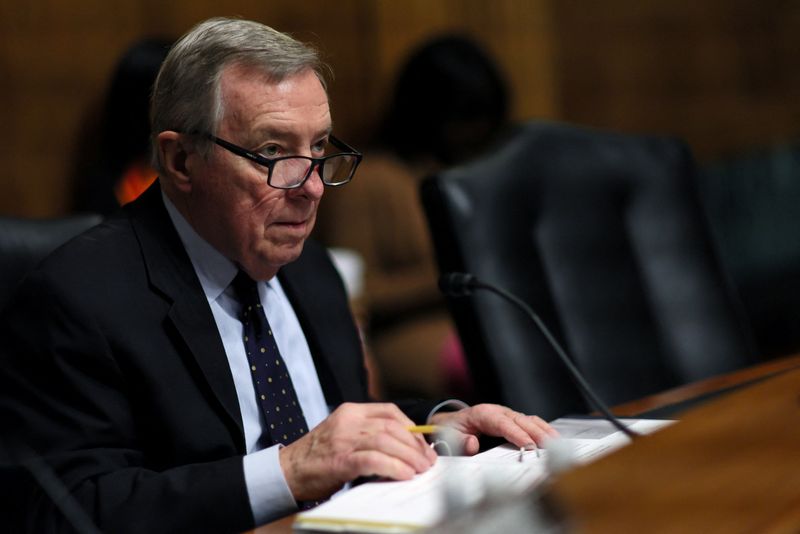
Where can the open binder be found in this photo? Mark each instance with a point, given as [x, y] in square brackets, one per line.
[460, 482]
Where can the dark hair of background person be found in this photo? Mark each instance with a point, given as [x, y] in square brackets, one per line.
[449, 102]
[118, 136]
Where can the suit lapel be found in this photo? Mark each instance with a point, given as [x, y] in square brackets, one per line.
[171, 273]
[310, 320]
[318, 298]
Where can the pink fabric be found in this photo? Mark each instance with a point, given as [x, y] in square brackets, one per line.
[454, 367]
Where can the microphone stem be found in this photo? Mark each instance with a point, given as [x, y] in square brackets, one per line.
[576, 374]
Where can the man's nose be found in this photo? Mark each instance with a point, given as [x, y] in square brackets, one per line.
[313, 186]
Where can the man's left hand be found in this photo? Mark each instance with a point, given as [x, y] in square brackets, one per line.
[495, 420]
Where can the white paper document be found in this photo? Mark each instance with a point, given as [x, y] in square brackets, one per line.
[391, 506]
[585, 439]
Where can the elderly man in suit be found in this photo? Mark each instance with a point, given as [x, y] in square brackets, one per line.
[191, 364]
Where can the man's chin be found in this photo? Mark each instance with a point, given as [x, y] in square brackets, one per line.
[290, 253]
[268, 261]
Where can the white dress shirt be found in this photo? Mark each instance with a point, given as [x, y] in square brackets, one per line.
[269, 494]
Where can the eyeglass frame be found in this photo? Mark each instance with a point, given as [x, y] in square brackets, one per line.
[269, 163]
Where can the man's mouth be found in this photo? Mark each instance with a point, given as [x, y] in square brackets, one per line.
[299, 224]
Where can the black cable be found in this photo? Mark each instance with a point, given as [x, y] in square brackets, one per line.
[462, 284]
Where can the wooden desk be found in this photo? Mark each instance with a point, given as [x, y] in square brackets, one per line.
[586, 493]
[281, 526]
[678, 396]
[732, 465]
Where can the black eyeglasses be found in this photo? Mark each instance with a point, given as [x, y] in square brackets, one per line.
[291, 172]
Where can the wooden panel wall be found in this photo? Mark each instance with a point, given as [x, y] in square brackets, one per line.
[720, 73]
[56, 58]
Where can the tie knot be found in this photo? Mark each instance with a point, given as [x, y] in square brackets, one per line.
[245, 289]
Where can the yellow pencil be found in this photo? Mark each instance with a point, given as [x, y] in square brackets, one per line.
[423, 429]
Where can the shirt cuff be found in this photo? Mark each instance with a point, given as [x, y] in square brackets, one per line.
[270, 497]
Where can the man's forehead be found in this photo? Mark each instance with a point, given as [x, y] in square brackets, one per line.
[276, 130]
[251, 96]
[236, 73]
[237, 81]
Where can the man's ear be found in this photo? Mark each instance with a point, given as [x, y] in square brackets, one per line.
[175, 149]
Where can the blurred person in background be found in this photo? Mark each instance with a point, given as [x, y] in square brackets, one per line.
[450, 104]
[113, 160]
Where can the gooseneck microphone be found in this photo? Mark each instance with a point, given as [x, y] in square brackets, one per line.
[463, 284]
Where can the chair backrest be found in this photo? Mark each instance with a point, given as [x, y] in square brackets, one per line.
[753, 205]
[25, 242]
[602, 234]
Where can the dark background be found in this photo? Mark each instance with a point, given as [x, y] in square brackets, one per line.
[720, 73]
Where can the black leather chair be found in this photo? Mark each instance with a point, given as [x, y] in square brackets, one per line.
[24, 242]
[753, 204]
[602, 234]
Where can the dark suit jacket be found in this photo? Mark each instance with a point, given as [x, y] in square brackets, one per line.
[113, 370]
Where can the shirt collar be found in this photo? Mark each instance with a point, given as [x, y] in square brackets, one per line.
[214, 270]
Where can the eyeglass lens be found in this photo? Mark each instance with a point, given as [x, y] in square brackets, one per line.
[335, 170]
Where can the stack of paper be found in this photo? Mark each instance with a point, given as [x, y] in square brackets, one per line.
[419, 503]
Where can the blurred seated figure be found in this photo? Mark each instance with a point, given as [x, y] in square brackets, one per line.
[113, 161]
[450, 104]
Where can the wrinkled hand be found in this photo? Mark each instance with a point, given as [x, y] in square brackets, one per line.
[495, 420]
[355, 440]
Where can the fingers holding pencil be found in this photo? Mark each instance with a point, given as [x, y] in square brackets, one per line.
[356, 440]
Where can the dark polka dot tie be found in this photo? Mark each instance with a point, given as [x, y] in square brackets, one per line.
[274, 390]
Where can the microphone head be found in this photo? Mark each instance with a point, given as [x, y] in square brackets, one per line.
[457, 284]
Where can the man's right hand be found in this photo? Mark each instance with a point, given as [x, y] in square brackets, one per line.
[355, 440]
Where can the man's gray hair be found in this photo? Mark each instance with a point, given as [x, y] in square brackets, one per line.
[186, 94]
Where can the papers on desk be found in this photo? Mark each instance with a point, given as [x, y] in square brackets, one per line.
[586, 439]
[419, 503]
